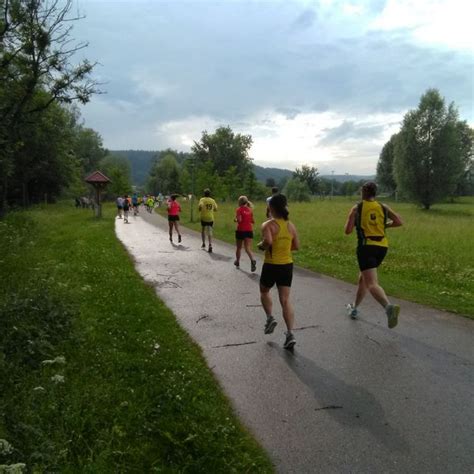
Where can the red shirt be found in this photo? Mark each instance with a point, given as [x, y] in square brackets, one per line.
[173, 208]
[244, 217]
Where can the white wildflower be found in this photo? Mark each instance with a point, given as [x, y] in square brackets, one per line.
[57, 378]
[60, 360]
[39, 389]
[5, 447]
[13, 468]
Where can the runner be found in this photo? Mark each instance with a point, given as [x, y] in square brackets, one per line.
[126, 208]
[135, 204]
[244, 232]
[371, 218]
[207, 207]
[274, 193]
[173, 216]
[279, 240]
[150, 204]
[119, 202]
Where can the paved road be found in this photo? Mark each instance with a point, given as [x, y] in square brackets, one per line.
[354, 397]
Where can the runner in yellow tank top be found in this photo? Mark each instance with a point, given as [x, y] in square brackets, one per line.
[279, 240]
[370, 218]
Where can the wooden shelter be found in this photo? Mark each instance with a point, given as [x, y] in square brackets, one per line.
[99, 181]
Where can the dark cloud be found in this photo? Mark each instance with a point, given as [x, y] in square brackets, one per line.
[349, 130]
[305, 19]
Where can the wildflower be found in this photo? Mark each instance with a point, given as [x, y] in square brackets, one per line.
[5, 447]
[39, 389]
[61, 360]
[18, 468]
[57, 378]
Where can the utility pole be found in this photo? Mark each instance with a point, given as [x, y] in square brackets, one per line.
[193, 185]
[332, 184]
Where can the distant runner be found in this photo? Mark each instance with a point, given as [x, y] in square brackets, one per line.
[135, 204]
[279, 240]
[119, 203]
[274, 193]
[150, 204]
[207, 207]
[244, 232]
[370, 218]
[126, 208]
[173, 216]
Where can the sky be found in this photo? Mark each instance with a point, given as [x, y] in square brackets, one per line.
[323, 83]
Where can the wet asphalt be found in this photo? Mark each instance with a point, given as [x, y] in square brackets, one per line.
[354, 396]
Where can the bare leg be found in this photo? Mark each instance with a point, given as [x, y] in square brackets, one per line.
[203, 236]
[238, 250]
[248, 248]
[372, 285]
[288, 313]
[176, 226]
[361, 291]
[266, 300]
[170, 225]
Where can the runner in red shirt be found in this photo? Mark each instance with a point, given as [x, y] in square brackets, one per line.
[173, 216]
[244, 232]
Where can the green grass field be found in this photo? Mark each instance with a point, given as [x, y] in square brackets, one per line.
[430, 260]
[96, 375]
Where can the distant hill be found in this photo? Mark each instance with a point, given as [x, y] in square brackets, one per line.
[141, 160]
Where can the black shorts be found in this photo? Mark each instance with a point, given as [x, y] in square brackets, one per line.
[173, 218]
[206, 224]
[370, 256]
[243, 234]
[281, 275]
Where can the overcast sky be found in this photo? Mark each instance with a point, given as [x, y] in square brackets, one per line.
[322, 83]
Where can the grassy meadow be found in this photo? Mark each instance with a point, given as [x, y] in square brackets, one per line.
[430, 260]
[96, 375]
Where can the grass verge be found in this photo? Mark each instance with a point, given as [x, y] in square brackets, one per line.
[430, 259]
[96, 375]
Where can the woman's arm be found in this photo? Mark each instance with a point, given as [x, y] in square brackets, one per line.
[396, 220]
[350, 223]
[295, 243]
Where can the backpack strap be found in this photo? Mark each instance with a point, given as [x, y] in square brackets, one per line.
[360, 232]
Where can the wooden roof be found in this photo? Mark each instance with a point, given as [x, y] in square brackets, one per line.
[97, 177]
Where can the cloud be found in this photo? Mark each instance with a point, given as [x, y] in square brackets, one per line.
[298, 78]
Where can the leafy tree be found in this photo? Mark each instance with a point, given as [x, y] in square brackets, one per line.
[297, 190]
[36, 70]
[88, 148]
[270, 183]
[385, 175]
[164, 176]
[117, 168]
[429, 157]
[309, 175]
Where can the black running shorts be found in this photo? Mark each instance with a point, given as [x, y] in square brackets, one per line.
[370, 256]
[207, 224]
[281, 275]
[243, 234]
[173, 218]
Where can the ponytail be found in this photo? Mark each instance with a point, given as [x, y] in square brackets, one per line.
[279, 206]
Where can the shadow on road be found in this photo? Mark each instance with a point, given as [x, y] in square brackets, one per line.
[219, 257]
[349, 405]
[180, 247]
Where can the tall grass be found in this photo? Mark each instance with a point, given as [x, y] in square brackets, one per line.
[96, 375]
[430, 259]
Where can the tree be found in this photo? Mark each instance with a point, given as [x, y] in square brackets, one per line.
[297, 190]
[385, 175]
[117, 168]
[270, 183]
[36, 70]
[88, 148]
[164, 176]
[309, 175]
[429, 157]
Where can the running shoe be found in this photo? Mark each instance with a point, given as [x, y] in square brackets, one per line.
[352, 311]
[290, 341]
[236, 263]
[179, 239]
[270, 325]
[171, 239]
[210, 249]
[253, 265]
[203, 246]
[392, 311]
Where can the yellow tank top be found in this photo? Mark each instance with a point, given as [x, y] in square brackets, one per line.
[280, 251]
[370, 222]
